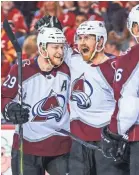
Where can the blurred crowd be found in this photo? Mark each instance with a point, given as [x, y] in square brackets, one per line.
[22, 15]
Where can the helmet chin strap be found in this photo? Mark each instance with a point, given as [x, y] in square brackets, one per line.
[46, 57]
[137, 39]
[94, 53]
[96, 50]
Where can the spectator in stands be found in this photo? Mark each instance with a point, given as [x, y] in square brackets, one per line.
[7, 47]
[122, 37]
[67, 20]
[69, 6]
[85, 7]
[103, 5]
[16, 18]
[30, 47]
[28, 8]
[113, 48]
[116, 16]
[70, 32]
[12, 14]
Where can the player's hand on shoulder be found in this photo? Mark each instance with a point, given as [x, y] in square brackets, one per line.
[48, 21]
[16, 113]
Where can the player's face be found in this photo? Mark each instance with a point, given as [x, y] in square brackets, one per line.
[135, 29]
[56, 53]
[86, 45]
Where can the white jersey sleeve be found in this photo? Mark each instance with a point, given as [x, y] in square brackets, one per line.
[126, 92]
[129, 103]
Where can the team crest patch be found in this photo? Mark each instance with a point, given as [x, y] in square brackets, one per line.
[81, 92]
[50, 107]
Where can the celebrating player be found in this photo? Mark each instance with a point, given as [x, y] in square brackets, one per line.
[121, 139]
[91, 102]
[46, 81]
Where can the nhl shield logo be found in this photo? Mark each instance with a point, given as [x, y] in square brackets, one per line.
[81, 91]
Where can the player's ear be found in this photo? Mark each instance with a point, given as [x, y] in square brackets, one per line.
[42, 49]
[100, 43]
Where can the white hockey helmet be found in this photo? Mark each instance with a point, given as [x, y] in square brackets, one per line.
[50, 35]
[96, 28]
[133, 17]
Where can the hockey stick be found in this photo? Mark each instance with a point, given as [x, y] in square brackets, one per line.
[88, 145]
[18, 50]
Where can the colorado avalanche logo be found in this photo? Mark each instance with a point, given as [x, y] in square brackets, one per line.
[48, 108]
[81, 92]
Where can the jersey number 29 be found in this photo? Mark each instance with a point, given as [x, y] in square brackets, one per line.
[10, 82]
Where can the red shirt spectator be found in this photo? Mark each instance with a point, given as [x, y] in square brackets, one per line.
[103, 5]
[70, 31]
[14, 15]
[67, 19]
[7, 47]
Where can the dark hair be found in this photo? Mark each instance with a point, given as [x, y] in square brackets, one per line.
[81, 14]
[115, 43]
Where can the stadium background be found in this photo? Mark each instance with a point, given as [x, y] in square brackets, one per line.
[22, 16]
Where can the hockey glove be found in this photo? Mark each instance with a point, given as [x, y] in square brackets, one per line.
[115, 146]
[48, 21]
[16, 113]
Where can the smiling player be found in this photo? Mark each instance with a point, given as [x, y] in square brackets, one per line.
[46, 81]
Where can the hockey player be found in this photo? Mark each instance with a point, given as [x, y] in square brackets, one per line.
[120, 139]
[91, 101]
[46, 81]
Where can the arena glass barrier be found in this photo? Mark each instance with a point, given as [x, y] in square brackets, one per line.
[7, 132]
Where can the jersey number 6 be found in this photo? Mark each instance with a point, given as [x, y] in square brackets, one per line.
[118, 74]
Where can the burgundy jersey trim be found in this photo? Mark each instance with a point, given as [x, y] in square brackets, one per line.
[84, 131]
[128, 63]
[53, 146]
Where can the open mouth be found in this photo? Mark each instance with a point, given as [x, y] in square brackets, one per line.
[85, 50]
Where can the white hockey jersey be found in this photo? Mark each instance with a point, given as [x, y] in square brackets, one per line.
[47, 94]
[91, 100]
[126, 88]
